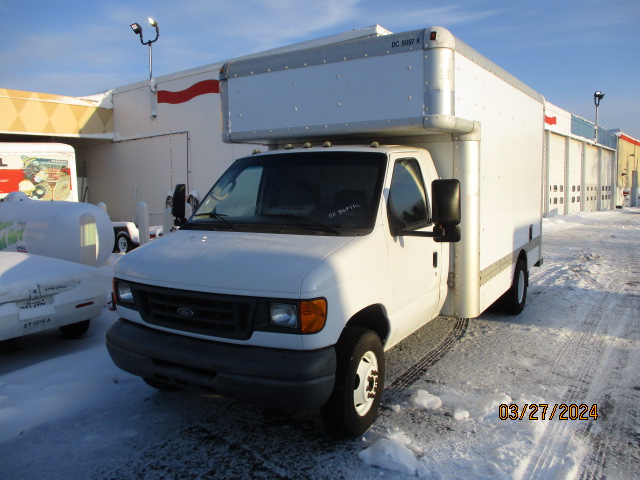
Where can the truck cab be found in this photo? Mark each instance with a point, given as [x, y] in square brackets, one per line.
[295, 251]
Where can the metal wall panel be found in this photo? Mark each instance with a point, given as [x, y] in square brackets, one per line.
[556, 165]
[606, 179]
[574, 177]
[590, 180]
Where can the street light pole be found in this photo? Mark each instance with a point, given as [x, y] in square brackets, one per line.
[597, 97]
[137, 29]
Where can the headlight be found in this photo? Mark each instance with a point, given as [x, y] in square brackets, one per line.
[309, 316]
[284, 315]
[123, 293]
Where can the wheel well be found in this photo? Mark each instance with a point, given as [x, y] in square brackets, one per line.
[523, 256]
[373, 318]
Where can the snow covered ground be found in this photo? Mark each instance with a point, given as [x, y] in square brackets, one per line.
[66, 412]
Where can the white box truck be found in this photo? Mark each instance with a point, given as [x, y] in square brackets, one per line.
[42, 171]
[402, 180]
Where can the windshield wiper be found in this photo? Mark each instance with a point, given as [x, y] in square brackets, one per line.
[305, 221]
[218, 216]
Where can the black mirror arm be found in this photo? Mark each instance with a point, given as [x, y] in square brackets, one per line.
[438, 231]
[439, 234]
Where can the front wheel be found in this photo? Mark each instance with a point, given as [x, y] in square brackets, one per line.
[357, 393]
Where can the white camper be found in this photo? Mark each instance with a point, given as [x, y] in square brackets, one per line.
[402, 180]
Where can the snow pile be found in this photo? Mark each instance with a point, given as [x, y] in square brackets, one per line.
[423, 399]
[390, 455]
[398, 452]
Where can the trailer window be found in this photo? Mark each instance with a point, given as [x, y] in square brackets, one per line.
[408, 195]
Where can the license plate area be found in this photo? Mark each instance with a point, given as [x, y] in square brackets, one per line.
[34, 325]
[27, 305]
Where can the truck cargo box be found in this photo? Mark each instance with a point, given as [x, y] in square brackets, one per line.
[401, 84]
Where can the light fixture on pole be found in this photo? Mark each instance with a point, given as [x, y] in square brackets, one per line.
[597, 97]
[137, 29]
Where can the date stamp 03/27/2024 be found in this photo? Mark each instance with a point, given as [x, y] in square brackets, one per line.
[544, 411]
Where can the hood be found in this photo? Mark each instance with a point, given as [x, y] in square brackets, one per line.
[228, 262]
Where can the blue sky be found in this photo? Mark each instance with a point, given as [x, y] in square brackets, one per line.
[565, 49]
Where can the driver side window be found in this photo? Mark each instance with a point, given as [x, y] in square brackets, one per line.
[408, 196]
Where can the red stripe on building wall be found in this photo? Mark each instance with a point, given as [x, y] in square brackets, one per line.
[630, 140]
[550, 120]
[195, 90]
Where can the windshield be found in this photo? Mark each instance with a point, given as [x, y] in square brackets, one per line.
[310, 193]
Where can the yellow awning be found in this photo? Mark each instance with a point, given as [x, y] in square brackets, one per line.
[34, 113]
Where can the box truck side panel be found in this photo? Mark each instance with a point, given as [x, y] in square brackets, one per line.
[364, 89]
[350, 96]
[43, 171]
[510, 165]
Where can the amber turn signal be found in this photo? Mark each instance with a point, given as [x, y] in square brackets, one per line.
[313, 314]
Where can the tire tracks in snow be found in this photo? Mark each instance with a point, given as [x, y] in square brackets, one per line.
[591, 352]
[419, 368]
[610, 439]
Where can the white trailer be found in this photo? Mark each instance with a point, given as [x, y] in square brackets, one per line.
[304, 263]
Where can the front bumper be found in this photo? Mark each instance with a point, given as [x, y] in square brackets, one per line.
[276, 378]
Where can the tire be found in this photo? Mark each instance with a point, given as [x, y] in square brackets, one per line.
[123, 243]
[514, 300]
[357, 393]
[159, 385]
[75, 330]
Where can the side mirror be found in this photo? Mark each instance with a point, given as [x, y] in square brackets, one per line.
[177, 205]
[445, 195]
[446, 213]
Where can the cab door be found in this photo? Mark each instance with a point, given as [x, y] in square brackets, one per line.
[415, 263]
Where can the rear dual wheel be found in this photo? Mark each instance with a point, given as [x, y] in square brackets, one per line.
[513, 301]
[357, 393]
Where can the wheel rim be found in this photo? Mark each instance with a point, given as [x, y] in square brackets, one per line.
[122, 244]
[365, 388]
[521, 285]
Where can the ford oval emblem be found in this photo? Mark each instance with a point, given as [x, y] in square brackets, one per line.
[185, 312]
